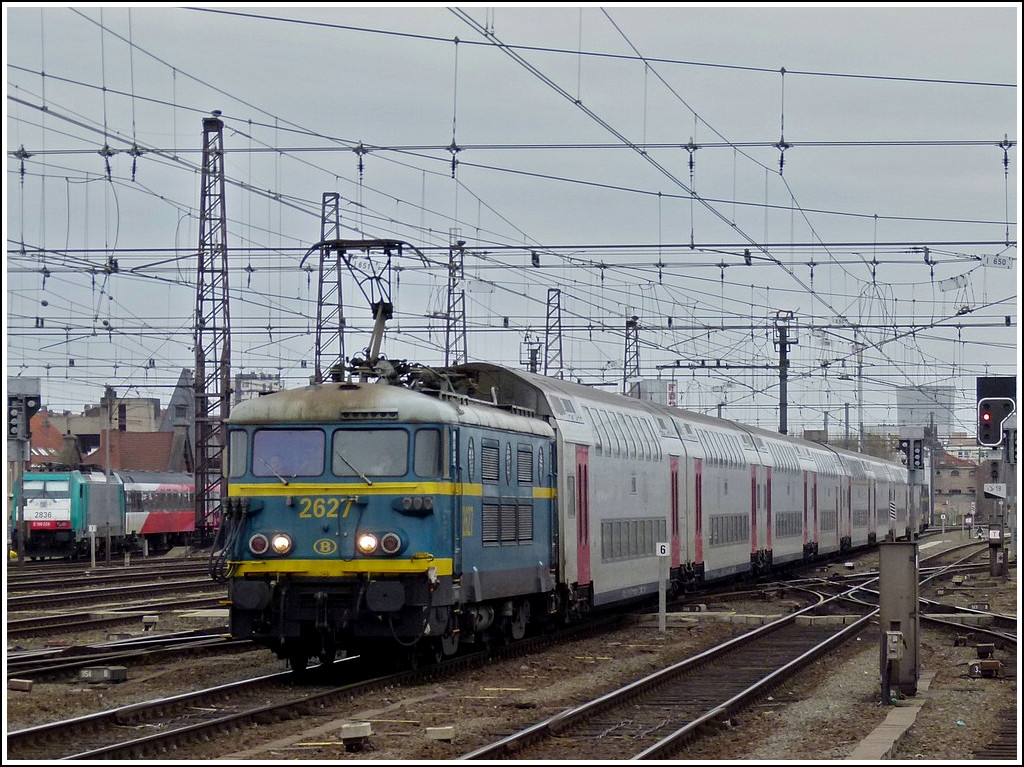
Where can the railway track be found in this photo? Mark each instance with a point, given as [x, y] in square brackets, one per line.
[54, 662]
[1003, 745]
[116, 595]
[203, 714]
[78, 622]
[42, 580]
[113, 733]
[654, 717]
[328, 706]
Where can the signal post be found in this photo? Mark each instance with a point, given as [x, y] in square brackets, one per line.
[997, 430]
[911, 447]
[22, 403]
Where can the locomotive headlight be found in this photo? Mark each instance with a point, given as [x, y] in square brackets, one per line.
[259, 544]
[367, 543]
[281, 543]
[390, 543]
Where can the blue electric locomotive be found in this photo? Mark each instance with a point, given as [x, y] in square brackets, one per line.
[365, 514]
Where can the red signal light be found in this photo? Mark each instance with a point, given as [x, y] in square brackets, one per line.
[986, 416]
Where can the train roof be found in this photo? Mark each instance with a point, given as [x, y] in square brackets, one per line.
[155, 477]
[541, 393]
[35, 474]
[352, 402]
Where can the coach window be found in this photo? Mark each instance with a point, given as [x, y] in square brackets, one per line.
[641, 438]
[627, 438]
[716, 448]
[622, 448]
[426, 460]
[607, 438]
[655, 440]
[631, 433]
[238, 452]
[615, 447]
[647, 431]
[631, 426]
[598, 440]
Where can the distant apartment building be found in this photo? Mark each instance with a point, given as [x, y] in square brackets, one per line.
[130, 433]
[964, 445]
[249, 385]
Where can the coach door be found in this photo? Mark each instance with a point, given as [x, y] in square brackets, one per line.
[755, 485]
[760, 514]
[807, 527]
[698, 511]
[674, 508]
[872, 508]
[849, 508]
[582, 515]
[814, 506]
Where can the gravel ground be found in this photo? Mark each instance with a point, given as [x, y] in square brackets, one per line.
[822, 715]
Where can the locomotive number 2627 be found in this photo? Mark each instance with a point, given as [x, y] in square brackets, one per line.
[322, 508]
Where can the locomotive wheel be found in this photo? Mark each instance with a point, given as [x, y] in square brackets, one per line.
[413, 659]
[517, 624]
[298, 660]
[434, 651]
[328, 650]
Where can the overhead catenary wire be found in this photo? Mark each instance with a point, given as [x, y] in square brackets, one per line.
[620, 283]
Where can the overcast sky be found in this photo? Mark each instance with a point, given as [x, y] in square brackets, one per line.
[865, 156]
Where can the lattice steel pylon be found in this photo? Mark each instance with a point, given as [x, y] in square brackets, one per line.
[631, 363]
[553, 334]
[330, 311]
[455, 346]
[212, 383]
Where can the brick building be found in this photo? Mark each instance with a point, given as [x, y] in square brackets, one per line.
[955, 488]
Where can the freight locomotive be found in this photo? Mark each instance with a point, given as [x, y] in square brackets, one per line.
[442, 507]
[133, 511]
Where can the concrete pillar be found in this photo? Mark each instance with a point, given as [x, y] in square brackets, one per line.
[898, 617]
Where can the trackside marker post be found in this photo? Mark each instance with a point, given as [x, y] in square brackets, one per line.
[662, 549]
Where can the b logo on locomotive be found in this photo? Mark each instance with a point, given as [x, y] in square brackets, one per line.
[324, 546]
